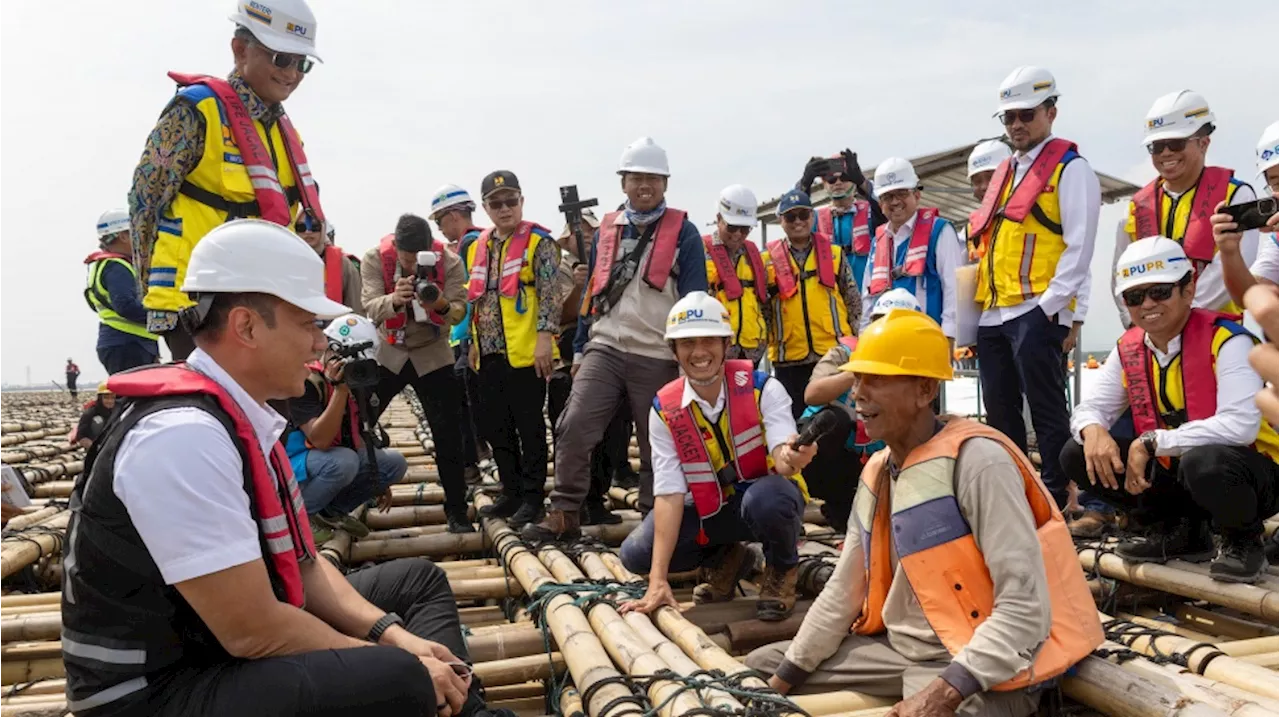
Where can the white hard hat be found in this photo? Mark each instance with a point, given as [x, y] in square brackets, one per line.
[737, 206]
[113, 221]
[988, 155]
[353, 329]
[450, 195]
[1154, 260]
[282, 25]
[898, 298]
[697, 314]
[1026, 87]
[1176, 115]
[895, 173]
[643, 156]
[258, 256]
[1269, 148]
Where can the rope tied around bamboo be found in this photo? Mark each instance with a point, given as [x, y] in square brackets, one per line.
[1126, 632]
[756, 702]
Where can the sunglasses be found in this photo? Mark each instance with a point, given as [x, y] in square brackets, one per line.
[511, 203]
[285, 60]
[1010, 116]
[797, 215]
[306, 223]
[735, 229]
[833, 178]
[1157, 292]
[1173, 145]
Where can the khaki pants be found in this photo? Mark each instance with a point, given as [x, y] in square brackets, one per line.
[870, 665]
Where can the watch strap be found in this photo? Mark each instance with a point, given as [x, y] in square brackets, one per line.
[379, 627]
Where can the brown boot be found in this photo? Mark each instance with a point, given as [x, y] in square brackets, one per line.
[777, 594]
[557, 525]
[716, 584]
[1092, 524]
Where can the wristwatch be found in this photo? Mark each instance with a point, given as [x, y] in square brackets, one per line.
[1148, 440]
[379, 627]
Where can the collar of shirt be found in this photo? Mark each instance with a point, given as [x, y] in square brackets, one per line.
[1025, 159]
[267, 424]
[837, 210]
[710, 411]
[1164, 357]
[259, 110]
[904, 232]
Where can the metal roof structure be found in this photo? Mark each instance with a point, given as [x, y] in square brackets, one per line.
[945, 184]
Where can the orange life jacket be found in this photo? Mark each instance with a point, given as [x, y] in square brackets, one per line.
[728, 273]
[1198, 242]
[512, 263]
[1023, 199]
[334, 262]
[387, 252]
[945, 567]
[861, 230]
[882, 271]
[662, 254]
[780, 253]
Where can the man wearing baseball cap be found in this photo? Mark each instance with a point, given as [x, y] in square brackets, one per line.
[737, 273]
[1203, 452]
[185, 185]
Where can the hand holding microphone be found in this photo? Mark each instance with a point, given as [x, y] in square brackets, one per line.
[795, 454]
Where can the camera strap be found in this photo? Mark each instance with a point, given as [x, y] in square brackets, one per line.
[625, 270]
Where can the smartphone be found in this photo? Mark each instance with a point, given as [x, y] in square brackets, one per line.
[832, 167]
[1252, 215]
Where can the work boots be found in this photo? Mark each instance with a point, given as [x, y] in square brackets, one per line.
[593, 512]
[457, 521]
[504, 507]
[1240, 560]
[717, 583]
[1092, 524]
[557, 525]
[777, 594]
[1184, 539]
[529, 512]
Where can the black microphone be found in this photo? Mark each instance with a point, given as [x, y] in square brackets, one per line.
[823, 423]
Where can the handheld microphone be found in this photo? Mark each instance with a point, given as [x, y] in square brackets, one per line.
[822, 424]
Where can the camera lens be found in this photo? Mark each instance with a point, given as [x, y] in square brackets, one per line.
[1267, 206]
[428, 292]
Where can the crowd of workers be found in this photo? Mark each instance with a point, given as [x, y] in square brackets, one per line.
[287, 350]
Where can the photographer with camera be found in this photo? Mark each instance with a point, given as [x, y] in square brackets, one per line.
[413, 291]
[326, 441]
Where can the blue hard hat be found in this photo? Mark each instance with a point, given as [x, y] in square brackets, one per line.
[791, 200]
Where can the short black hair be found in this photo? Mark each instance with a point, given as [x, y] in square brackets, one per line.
[244, 33]
[216, 319]
[1205, 130]
[412, 233]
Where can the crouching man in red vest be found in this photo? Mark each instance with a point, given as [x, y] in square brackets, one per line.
[193, 585]
[1203, 452]
[724, 471]
[958, 586]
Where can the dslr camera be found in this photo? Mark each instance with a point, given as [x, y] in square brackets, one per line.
[427, 291]
[357, 371]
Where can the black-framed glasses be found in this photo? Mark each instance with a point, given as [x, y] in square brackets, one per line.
[1009, 116]
[735, 229]
[306, 223]
[511, 203]
[1173, 145]
[797, 215]
[833, 178]
[1158, 292]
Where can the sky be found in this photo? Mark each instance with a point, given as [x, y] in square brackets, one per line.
[412, 95]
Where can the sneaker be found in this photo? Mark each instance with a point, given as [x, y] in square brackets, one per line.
[593, 512]
[1092, 524]
[557, 525]
[716, 584]
[777, 594]
[321, 531]
[1239, 560]
[529, 512]
[1183, 540]
[458, 522]
[504, 507]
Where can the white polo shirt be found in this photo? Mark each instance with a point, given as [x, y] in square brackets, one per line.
[668, 475]
[180, 476]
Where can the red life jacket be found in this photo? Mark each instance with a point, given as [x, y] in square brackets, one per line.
[861, 230]
[353, 412]
[750, 453]
[286, 534]
[1025, 194]
[917, 252]
[334, 262]
[512, 262]
[849, 342]
[100, 255]
[273, 205]
[662, 252]
[780, 251]
[1197, 242]
[387, 251]
[728, 272]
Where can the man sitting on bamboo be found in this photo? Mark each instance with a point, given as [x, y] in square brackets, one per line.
[724, 471]
[958, 589]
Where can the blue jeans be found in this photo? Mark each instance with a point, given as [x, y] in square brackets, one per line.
[770, 510]
[334, 483]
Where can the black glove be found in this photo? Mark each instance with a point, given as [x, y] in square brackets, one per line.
[812, 170]
[852, 171]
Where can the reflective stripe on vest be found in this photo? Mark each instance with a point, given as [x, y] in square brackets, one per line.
[1197, 239]
[944, 565]
[390, 260]
[99, 299]
[519, 308]
[882, 269]
[785, 275]
[861, 240]
[1024, 196]
[662, 251]
[285, 532]
[512, 262]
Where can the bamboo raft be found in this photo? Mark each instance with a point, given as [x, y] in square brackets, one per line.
[546, 636]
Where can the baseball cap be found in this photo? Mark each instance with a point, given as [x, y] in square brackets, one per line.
[792, 200]
[497, 181]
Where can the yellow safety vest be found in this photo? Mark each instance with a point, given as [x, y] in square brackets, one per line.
[814, 318]
[746, 314]
[100, 300]
[1022, 257]
[220, 174]
[519, 313]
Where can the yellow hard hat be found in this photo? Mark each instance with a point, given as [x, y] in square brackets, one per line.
[902, 343]
[102, 388]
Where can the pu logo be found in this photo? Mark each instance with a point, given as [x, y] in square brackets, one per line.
[296, 29]
[688, 315]
[1136, 269]
[1006, 94]
[740, 378]
[1153, 123]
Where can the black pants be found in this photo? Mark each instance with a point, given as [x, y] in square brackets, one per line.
[1025, 356]
[1234, 486]
[384, 681]
[834, 472]
[71, 385]
[440, 395]
[513, 423]
[126, 356]
[794, 378]
[610, 457]
[179, 342]
[468, 407]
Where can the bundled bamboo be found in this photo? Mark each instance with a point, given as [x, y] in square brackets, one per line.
[40, 626]
[39, 540]
[33, 518]
[430, 546]
[1114, 691]
[406, 516]
[56, 687]
[1255, 646]
[13, 439]
[12, 670]
[1246, 598]
[519, 669]
[506, 642]
[53, 489]
[43, 472]
[51, 599]
[23, 454]
[30, 650]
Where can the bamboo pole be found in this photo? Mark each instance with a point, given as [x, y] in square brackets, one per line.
[12, 671]
[519, 669]
[431, 546]
[1173, 627]
[1225, 625]
[19, 552]
[1257, 645]
[1269, 660]
[40, 650]
[42, 626]
[337, 549]
[1246, 598]
[407, 516]
[57, 707]
[1114, 691]
[29, 519]
[485, 588]
[51, 599]
[502, 644]
[571, 702]
[53, 489]
[47, 687]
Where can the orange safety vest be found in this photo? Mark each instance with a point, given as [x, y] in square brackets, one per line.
[779, 252]
[882, 272]
[944, 565]
[334, 262]
[662, 253]
[861, 244]
[1198, 242]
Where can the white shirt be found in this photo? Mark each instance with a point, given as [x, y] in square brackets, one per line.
[180, 476]
[1235, 424]
[1267, 266]
[1080, 200]
[1211, 288]
[947, 255]
[668, 475]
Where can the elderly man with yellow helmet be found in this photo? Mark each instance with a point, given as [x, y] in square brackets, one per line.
[958, 587]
